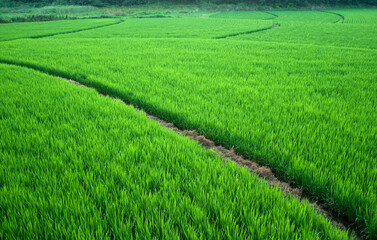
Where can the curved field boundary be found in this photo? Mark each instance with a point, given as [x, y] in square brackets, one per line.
[262, 172]
[79, 30]
[248, 32]
[274, 25]
[67, 32]
[274, 15]
[341, 17]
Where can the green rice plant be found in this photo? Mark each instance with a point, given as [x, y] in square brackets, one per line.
[358, 16]
[75, 165]
[300, 97]
[319, 29]
[304, 16]
[173, 28]
[306, 111]
[258, 15]
[13, 31]
[324, 34]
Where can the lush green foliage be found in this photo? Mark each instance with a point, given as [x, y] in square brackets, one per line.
[321, 30]
[244, 15]
[300, 97]
[308, 112]
[279, 16]
[13, 31]
[365, 16]
[355, 35]
[275, 3]
[173, 28]
[76, 165]
[22, 14]
[56, 12]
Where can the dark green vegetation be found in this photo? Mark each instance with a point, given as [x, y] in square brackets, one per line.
[77, 165]
[275, 3]
[174, 28]
[299, 97]
[24, 13]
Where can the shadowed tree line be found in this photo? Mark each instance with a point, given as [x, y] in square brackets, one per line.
[280, 3]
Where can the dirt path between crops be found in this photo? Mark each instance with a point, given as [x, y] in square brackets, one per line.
[263, 172]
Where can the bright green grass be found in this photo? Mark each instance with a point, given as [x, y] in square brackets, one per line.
[74, 165]
[307, 111]
[173, 28]
[346, 35]
[244, 15]
[321, 30]
[358, 16]
[304, 16]
[12, 31]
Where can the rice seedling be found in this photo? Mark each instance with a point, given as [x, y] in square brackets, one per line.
[13, 31]
[300, 98]
[77, 165]
[173, 28]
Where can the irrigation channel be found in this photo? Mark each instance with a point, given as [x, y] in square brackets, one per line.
[263, 172]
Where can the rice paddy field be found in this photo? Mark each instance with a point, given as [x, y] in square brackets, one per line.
[42, 29]
[295, 91]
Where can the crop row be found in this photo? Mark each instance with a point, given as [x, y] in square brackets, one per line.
[13, 31]
[320, 29]
[173, 28]
[358, 16]
[307, 111]
[76, 165]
